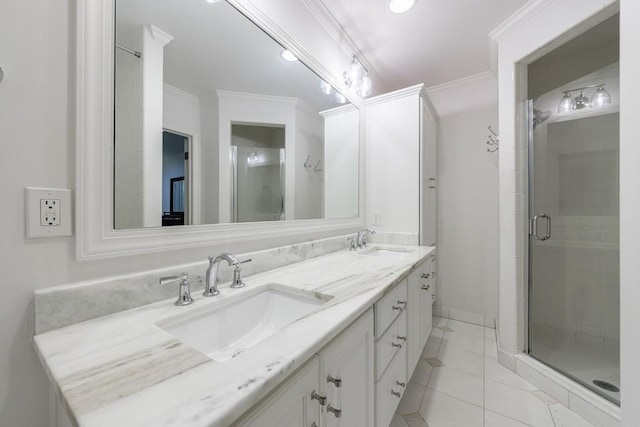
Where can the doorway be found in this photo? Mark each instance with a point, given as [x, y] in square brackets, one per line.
[175, 179]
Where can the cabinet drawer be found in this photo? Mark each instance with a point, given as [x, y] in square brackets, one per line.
[390, 387]
[392, 341]
[389, 307]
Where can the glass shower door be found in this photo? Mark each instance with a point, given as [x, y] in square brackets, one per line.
[574, 248]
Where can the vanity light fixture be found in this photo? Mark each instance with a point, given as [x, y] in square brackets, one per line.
[288, 56]
[401, 6]
[600, 98]
[357, 77]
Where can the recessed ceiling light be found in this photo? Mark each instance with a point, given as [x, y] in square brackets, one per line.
[288, 56]
[214, 1]
[401, 6]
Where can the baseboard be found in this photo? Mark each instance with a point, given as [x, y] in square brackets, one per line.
[464, 316]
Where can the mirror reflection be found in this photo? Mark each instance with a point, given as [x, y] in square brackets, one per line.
[215, 122]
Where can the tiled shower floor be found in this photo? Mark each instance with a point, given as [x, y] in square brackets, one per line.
[459, 383]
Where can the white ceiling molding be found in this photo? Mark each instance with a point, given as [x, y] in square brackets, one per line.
[464, 94]
[333, 27]
[522, 15]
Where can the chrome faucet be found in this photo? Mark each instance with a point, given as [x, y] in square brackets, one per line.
[184, 295]
[211, 282]
[361, 238]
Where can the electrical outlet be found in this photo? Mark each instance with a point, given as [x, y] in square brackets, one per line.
[377, 218]
[48, 212]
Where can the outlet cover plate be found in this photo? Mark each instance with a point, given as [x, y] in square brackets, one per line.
[35, 225]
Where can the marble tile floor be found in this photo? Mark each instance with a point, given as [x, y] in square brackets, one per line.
[459, 383]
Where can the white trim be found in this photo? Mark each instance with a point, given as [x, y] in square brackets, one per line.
[519, 17]
[160, 35]
[418, 89]
[456, 84]
[337, 111]
[96, 239]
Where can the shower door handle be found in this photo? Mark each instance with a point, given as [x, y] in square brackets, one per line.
[534, 227]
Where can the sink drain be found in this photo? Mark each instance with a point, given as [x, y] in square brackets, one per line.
[607, 386]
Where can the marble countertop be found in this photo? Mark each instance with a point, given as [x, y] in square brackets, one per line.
[123, 369]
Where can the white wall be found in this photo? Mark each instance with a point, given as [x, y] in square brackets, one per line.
[467, 203]
[309, 183]
[629, 210]
[37, 118]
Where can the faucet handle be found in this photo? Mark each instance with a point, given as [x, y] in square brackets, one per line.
[237, 281]
[184, 294]
[352, 243]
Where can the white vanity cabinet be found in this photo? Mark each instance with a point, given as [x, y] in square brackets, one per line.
[391, 352]
[334, 389]
[419, 311]
[427, 298]
[292, 404]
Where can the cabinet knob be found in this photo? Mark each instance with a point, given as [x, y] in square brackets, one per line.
[335, 411]
[320, 398]
[396, 394]
[401, 338]
[433, 187]
[403, 303]
[426, 288]
[396, 307]
[401, 384]
[425, 275]
[394, 344]
[336, 381]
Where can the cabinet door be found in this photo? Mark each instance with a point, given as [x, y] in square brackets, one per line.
[291, 405]
[414, 310]
[347, 374]
[428, 154]
[426, 300]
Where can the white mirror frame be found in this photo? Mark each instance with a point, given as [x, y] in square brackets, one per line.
[95, 236]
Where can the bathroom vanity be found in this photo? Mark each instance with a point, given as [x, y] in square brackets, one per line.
[345, 332]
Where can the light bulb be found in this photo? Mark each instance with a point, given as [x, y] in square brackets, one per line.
[566, 103]
[600, 98]
[288, 56]
[355, 71]
[401, 6]
[340, 99]
[366, 85]
[582, 101]
[325, 88]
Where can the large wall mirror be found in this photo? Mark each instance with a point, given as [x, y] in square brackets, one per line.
[216, 122]
[194, 130]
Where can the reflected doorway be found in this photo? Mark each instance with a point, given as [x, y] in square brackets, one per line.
[258, 173]
[175, 171]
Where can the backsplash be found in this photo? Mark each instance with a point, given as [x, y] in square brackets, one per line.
[65, 305]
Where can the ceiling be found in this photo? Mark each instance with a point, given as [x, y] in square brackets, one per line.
[437, 41]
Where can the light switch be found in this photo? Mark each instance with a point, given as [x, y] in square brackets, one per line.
[48, 212]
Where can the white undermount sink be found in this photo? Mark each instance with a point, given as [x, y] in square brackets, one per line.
[226, 330]
[387, 253]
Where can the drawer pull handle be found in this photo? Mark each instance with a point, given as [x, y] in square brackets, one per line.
[404, 303]
[335, 411]
[320, 398]
[396, 393]
[401, 338]
[396, 307]
[426, 288]
[401, 384]
[336, 381]
[313, 424]
[425, 275]
[396, 345]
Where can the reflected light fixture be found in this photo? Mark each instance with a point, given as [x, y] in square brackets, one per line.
[325, 88]
[340, 98]
[357, 77]
[401, 6]
[600, 98]
[288, 56]
[213, 1]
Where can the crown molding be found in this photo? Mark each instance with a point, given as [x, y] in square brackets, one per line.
[459, 83]
[159, 35]
[519, 17]
[396, 94]
[338, 110]
[228, 94]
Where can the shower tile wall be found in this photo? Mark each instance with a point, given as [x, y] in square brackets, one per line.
[578, 294]
[128, 141]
